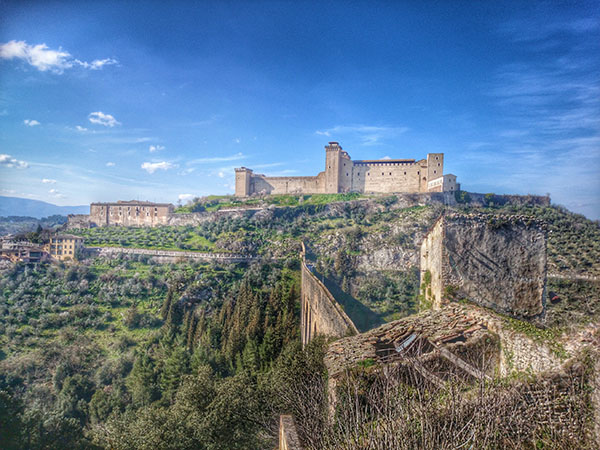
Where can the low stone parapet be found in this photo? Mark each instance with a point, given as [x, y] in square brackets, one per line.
[169, 254]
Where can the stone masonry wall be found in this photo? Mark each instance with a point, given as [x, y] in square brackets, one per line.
[495, 261]
[261, 184]
[321, 314]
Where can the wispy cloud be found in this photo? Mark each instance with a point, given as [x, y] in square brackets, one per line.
[100, 118]
[48, 181]
[97, 63]
[10, 162]
[152, 167]
[110, 164]
[538, 28]
[216, 159]
[155, 148]
[550, 105]
[365, 134]
[56, 193]
[45, 59]
[81, 129]
[31, 123]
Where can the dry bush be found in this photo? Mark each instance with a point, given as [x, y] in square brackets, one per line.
[395, 408]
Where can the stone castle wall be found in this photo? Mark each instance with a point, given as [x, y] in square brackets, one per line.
[287, 185]
[495, 261]
[321, 314]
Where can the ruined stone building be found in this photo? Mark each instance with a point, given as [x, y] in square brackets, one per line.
[497, 262]
[342, 174]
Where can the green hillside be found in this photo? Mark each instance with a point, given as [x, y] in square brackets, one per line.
[126, 353]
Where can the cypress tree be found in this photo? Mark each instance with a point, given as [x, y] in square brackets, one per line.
[166, 306]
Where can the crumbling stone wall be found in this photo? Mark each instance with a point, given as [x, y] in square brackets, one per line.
[78, 221]
[495, 261]
[321, 314]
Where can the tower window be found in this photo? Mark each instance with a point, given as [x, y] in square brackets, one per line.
[390, 173]
[382, 173]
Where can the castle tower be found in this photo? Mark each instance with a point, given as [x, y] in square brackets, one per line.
[333, 154]
[435, 166]
[242, 182]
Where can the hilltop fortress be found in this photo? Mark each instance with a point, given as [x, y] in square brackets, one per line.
[342, 174]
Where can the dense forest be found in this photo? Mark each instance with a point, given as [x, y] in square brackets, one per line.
[127, 353]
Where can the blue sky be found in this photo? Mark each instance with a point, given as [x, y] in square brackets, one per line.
[162, 100]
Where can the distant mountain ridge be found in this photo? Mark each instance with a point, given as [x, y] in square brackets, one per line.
[16, 206]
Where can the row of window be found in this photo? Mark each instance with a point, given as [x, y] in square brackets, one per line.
[382, 173]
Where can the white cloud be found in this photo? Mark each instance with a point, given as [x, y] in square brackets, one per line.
[110, 164]
[366, 134]
[8, 191]
[9, 161]
[156, 148]
[80, 128]
[221, 175]
[55, 193]
[153, 167]
[31, 123]
[184, 197]
[44, 59]
[48, 181]
[237, 140]
[187, 171]
[39, 56]
[100, 118]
